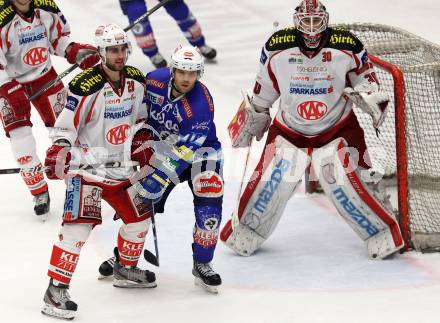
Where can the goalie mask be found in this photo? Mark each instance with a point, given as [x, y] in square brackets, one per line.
[311, 19]
[111, 35]
[187, 58]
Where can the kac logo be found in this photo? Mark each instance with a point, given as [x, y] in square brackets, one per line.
[35, 56]
[312, 110]
[117, 135]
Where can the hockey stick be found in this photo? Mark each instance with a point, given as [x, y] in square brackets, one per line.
[49, 84]
[7, 171]
[248, 153]
[148, 255]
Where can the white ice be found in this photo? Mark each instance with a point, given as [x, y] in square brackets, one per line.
[312, 269]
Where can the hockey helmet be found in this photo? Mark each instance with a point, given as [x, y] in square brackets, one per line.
[311, 19]
[187, 58]
[111, 35]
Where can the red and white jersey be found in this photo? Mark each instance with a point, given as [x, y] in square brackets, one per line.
[99, 119]
[26, 43]
[310, 87]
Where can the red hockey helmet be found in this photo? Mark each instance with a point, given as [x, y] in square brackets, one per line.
[311, 19]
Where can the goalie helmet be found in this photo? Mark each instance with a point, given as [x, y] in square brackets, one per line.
[187, 58]
[111, 35]
[311, 19]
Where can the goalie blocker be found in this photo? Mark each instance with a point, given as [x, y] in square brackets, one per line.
[364, 206]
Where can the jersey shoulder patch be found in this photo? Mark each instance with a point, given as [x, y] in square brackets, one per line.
[134, 73]
[282, 39]
[46, 5]
[88, 82]
[7, 13]
[343, 39]
[158, 78]
[207, 96]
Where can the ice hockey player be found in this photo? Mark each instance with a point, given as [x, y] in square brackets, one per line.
[181, 112]
[318, 73]
[144, 35]
[30, 31]
[104, 104]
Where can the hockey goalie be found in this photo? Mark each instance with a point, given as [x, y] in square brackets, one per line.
[318, 73]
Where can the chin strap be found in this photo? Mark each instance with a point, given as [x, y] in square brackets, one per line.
[175, 87]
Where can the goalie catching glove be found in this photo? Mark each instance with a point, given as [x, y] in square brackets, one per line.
[373, 103]
[247, 123]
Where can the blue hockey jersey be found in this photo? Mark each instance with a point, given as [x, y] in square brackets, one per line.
[183, 125]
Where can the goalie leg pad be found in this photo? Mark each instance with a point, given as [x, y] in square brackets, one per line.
[274, 181]
[366, 213]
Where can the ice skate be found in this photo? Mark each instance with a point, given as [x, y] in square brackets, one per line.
[206, 277]
[42, 205]
[208, 52]
[158, 61]
[131, 276]
[57, 302]
[106, 268]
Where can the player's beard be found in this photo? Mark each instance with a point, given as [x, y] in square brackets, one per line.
[181, 90]
[117, 67]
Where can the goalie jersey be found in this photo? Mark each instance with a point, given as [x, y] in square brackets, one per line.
[310, 86]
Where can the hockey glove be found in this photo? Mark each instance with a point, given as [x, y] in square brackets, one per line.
[13, 93]
[57, 160]
[155, 185]
[84, 55]
[373, 103]
[249, 121]
[141, 150]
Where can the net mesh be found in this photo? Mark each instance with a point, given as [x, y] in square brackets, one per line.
[419, 60]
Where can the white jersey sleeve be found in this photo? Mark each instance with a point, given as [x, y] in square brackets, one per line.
[56, 23]
[363, 76]
[266, 90]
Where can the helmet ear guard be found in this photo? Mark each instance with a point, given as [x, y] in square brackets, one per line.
[110, 35]
[187, 58]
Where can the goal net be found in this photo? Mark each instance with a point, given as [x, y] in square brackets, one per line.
[408, 147]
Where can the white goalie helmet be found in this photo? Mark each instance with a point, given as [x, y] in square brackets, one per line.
[311, 19]
[111, 35]
[187, 58]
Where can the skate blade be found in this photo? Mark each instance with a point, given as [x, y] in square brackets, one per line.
[44, 216]
[102, 277]
[208, 288]
[124, 283]
[52, 311]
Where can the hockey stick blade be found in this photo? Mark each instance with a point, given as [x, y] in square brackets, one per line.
[48, 85]
[149, 257]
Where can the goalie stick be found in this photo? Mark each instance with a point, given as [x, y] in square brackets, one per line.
[48, 85]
